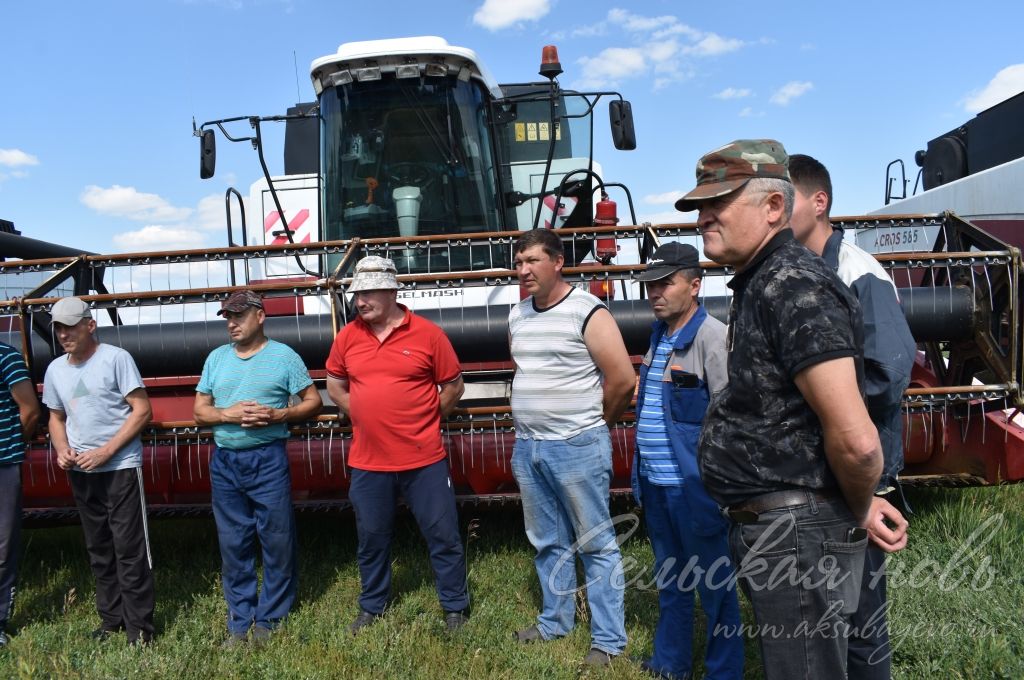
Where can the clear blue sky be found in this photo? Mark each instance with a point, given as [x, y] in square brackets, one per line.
[97, 98]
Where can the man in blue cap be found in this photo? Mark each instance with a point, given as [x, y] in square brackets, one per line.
[683, 370]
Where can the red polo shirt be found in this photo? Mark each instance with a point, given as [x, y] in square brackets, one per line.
[394, 406]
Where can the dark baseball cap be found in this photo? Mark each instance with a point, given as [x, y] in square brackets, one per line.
[726, 169]
[239, 301]
[668, 259]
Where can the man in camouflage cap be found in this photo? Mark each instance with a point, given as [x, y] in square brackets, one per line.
[788, 449]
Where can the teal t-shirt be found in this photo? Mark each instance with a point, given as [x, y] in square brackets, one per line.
[269, 377]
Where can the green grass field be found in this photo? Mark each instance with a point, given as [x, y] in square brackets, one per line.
[957, 604]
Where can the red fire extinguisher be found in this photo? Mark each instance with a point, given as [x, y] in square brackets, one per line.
[606, 216]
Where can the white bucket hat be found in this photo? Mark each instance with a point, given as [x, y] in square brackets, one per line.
[375, 273]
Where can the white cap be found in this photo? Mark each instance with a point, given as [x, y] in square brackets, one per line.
[69, 311]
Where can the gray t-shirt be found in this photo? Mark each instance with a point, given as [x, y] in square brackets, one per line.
[92, 395]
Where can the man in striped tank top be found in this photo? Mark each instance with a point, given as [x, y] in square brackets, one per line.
[684, 368]
[573, 380]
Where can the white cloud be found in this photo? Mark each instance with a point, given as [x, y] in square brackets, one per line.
[590, 30]
[662, 43]
[612, 65]
[155, 237]
[1005, 84]
[495, 15]
[790, 91]
[636, 23]
[712, 45]
[662, 51]
[13, 158]
[661, 199]
[131, 203]
[748, 112]
[733, 93]
[677, 29]
[210, 214]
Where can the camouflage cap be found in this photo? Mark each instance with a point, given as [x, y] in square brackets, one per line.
[728, 168]
[239, 301]
[375, 273]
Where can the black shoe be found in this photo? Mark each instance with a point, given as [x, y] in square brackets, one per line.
[528, 635]
[648, 669]
[260, 635]
[597, 658]
[455, 620]
[234, 641]
[103, 634]
[143, 640]
[363, 620]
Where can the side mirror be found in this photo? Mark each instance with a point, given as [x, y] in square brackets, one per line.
[207, 154]
[620, 112]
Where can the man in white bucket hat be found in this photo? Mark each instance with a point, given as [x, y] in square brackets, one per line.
[395, 374]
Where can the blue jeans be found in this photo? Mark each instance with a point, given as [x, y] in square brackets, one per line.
[803, 575]
[252, 498]
[683, 561]
[428, 492]
[564, 487]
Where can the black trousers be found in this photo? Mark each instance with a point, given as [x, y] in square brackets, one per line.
[10, 536]
[112, 508]
[869, 656]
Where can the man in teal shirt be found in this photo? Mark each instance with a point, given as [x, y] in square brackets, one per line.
[244, 394]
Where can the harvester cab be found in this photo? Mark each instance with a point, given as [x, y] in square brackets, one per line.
[414, 137]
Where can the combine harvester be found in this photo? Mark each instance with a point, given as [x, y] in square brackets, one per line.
[414, 152]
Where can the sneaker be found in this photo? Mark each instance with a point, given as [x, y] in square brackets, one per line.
[363, 620]
[528, 635]
[597, 658]
[260, 635]
[234, 641]
[455, 620]
[4, 638]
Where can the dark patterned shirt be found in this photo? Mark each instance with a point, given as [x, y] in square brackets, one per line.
[789, 312]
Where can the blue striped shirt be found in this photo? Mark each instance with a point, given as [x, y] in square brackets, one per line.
[657, 461]
[12, 371]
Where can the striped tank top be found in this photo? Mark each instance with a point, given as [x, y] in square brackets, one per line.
[557, 392]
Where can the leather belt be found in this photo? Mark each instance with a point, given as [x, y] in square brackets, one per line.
[748, 511]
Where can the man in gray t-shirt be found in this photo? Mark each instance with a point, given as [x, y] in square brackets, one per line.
[98, 408]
